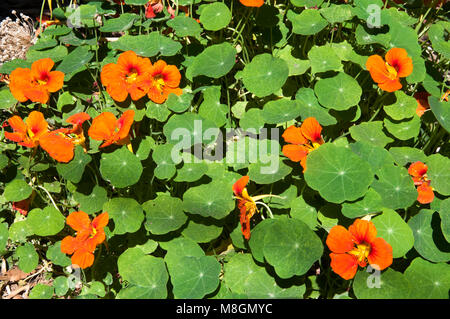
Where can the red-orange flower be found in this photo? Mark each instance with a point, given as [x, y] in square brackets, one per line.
[246, 204]
[89, 235]
[387, 74]
[34, 131]
[128, 76]
[22, 206]
[252, 3]
[303, 140]
[418, 172]
[37, 83]
[357, 246]
[106, 127]
[422, 102]
[75, 133]
[164, 80]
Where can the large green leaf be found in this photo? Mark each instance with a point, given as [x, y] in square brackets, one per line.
[46, 222]
[428, 238]
[389, 284]
[126, 213]
[392, 228]
[431, 281]
[339, 92]
[371, 132]
[17, 190]
[147, 45]
[121, 168]
[369, 204]
[147, 275]
[395, 187]
[323, 59]
[279, 111]
[215, 16]
[308, 22]
[403, 130]
[438, 173]
[28, 257]
[291, 247]
[265, 74]
[73, 171]
[215, 61]
[441, 110]
[310, 107]
[164, 214]
[337, 173]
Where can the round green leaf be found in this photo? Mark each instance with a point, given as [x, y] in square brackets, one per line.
[252, 119]
[258, 234]
[4, 234]
[376, 156]
[46, 222]
[308, 22]
[265, 74]
[41, 291]
[147, 275]
[215, 61]
[296, 66]
[199, 276]
[323, 59]
[201, 230]
[126, 213]
[438, 173]
[28, 257]
[164, 214]
[339, 92]
[56, 54]
[403, 130]
[404, 107]
[395, 187]
[369, 204]
[432, 281]
[269, 171]
[185, 26]
[93, 202]
[56, 256]
[191, 172]
[444, 213]
[179, 103]
[209, 200]
[337, 13]
[389, 284]
[429, 241]
[337, 173]
[19, 231]
[280, 111]
[75, 60]
[371, 132]
[61, 286]
[310, 107]
[121, 168]
[73, 171]
[215, 16]
[304, 212]
[404, 155]
[17, 190]
[122, 23]
[291, 247]
[147, 45]
[392, 228]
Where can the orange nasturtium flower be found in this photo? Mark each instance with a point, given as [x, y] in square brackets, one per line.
[37, 83]
[164, 80]
[128, 76]
[252, 3]
[247, 204]
[303, 140]
[34, 132]
[357, 246]
[75, 134]
[387, 74]
[106, 127]
[89, 235]
[418, 172]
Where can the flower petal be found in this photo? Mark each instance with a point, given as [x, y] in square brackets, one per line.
[103, 126]
[426, 194]
[100, 221]
[417, 169]
[312, 130]
[83, 258]
[399, 59]
[390, 85]
[293, 135]
[37, 124]
[363, 231]
[295, 153]
[78, 118]
[240, 184]
[124, 124]
[79, 221]
[68, 245]
[55, 81]
[377, 68]
[252, 3]
[339, 240]
[380, 256]
[58, 147]
[344, 265]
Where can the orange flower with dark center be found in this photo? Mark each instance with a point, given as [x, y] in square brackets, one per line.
[252, 3]
[89, 236]
[165, 79]
[37, 83]
[247, 204]
[75, 134]
[422, 102]
[303, 140]
[128, 76]
[106, 127]
[34, 131]
[388, 73]
[357, 246]
[418, 172]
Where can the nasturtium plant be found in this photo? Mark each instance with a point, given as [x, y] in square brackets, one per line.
[200, 149]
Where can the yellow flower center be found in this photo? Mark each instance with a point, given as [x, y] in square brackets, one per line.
[361, 252]
[392, 72]
[41, 82]
[94, 231]
[131, 78]
[159, 82]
